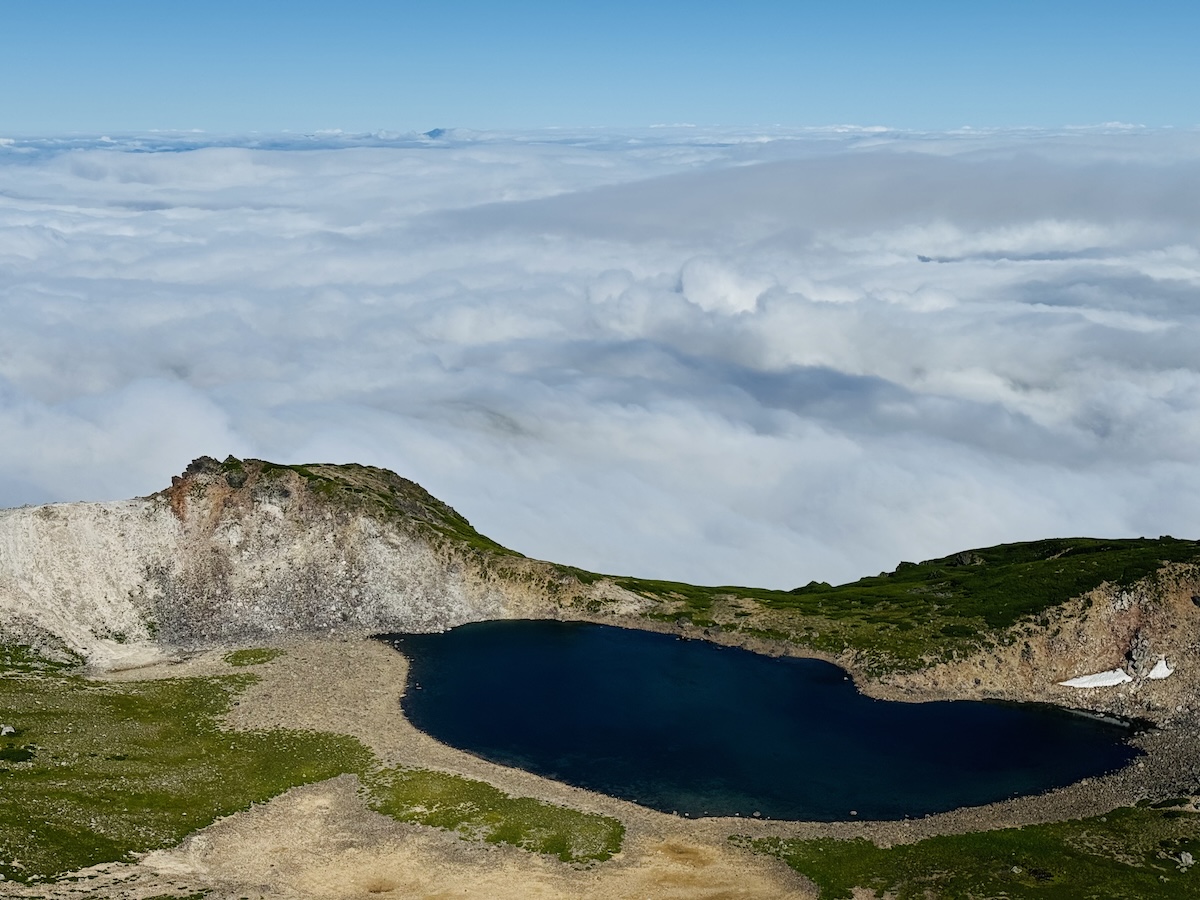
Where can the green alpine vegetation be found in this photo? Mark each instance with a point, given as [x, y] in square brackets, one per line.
[119, 768]
[925, 611]
[479, 811]
[379, 492]
[96, 771]
[252, 656]
[16, 659]
[1141, 852]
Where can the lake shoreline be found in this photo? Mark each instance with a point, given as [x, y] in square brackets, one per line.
[1169, 767]
[354, 686]
[685, 704]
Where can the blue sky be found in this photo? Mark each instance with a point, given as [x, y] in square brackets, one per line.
[131, 65]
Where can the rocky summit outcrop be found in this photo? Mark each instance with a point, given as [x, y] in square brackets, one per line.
[238, 551]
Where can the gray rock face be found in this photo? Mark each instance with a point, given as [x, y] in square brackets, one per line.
[76, 573]
[273, 560]
[236, 552]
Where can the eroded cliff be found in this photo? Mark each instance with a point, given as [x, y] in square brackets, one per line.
[1147, 634]
[242, 550]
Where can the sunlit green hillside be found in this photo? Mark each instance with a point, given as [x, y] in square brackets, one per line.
[924, 610]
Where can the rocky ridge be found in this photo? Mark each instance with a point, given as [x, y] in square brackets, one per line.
[242, 551]
[246, 551]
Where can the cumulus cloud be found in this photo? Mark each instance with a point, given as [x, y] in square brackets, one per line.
[714, 356]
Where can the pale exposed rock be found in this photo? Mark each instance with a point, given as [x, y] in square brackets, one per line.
[1139, 655]
[207, 562]
[1121, 601]
[247, 551]
[79, 571]
[112, 656]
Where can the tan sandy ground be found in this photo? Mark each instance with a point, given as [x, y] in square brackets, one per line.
[318, 841]
[322, 841]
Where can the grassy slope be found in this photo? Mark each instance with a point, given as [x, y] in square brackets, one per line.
[479, 811]
[928, 610]
[379, 492]
[1132, 852]
[96, 771]
[120, 768]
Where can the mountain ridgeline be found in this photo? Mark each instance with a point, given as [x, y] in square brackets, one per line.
[239, 551]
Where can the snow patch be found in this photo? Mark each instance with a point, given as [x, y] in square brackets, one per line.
[1110, 678]
[1161, 670]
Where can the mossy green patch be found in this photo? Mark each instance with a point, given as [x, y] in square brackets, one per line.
[379, 492]
[17, 659]
[995, 586]
[478, 810]
[122, 768]
[252, 656]
[96, 771]
[12, 753]
[1130, 852]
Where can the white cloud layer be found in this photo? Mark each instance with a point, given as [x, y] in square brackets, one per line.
[713, 356]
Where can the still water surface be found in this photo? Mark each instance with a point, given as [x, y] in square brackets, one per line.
[691, 727]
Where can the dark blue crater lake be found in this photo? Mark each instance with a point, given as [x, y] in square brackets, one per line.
[699, 729]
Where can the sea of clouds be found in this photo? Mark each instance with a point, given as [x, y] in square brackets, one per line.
[724, 357]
